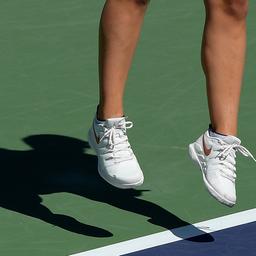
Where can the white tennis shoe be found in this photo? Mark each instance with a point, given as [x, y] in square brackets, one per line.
[216, 159]
[117, 163]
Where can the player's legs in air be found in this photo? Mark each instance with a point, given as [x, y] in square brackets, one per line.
[120, 27]
[223, 57]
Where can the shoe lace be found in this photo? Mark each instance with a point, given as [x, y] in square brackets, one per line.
[117, 140]
[227, 149]
[227, 155]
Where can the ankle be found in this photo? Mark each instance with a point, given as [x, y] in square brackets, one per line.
[223, 130]
[104, 113]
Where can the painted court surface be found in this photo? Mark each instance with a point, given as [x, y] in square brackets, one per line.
[229, 235]
[52, 200]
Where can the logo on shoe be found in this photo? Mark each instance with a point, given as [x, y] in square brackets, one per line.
[97, 138]
[207, 151]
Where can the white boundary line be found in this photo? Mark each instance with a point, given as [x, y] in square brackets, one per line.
[173, 235]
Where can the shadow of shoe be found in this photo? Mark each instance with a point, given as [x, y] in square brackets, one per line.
[61, 164]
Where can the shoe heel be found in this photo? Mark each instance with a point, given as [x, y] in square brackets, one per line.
[89, 139]
[192, 153]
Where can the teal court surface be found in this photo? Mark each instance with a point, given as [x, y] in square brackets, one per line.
[52, 200]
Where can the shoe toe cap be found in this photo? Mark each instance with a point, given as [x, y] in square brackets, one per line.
[223, 187]
[125, 174]
[128, 173]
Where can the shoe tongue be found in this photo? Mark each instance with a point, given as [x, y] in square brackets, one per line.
[117, 122]
[229, 139]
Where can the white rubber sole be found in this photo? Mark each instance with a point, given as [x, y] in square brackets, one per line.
[111, 180]
[210, 189]
[117, 184]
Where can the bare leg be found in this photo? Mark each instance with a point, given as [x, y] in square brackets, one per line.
[223, 55]
[119, 32]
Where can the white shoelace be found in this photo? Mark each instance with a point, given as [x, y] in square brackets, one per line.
[237, 148]
[230, 150]
[118, 141]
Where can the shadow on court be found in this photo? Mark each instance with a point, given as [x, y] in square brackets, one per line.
[60, 164]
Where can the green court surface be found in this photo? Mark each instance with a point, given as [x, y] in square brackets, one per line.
[52, 201]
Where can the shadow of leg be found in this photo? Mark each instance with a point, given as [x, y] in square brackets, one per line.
[32, 206]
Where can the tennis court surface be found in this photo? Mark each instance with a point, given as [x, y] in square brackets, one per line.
[52, 200]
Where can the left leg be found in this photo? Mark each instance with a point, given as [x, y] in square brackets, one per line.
[223, 55]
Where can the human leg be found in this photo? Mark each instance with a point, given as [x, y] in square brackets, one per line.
[119, 32]
[223, 55]
[120, 27]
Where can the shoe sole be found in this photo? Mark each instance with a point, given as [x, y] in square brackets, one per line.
[107, 179]
[210, 189]
[118, 185]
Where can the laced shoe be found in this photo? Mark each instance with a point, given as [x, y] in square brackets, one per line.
[117, 163]
[217, 160]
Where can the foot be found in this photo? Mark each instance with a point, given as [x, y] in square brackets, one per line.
[117, 163]
[216, 159]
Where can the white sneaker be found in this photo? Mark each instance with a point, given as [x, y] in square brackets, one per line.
[216, 159]
[117, 163]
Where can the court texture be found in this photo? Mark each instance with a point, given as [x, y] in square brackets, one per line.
[53, 202]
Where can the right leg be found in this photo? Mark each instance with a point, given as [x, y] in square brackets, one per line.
[119, 32]
[223, 57]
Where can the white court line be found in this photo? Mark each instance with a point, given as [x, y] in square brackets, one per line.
[173, 235]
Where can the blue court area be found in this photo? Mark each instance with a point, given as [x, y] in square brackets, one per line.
[235, 241]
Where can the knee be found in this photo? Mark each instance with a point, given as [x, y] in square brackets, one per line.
[237, 9]
[134, 7]
[135, 2]
[141, 2]
[130, 5]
